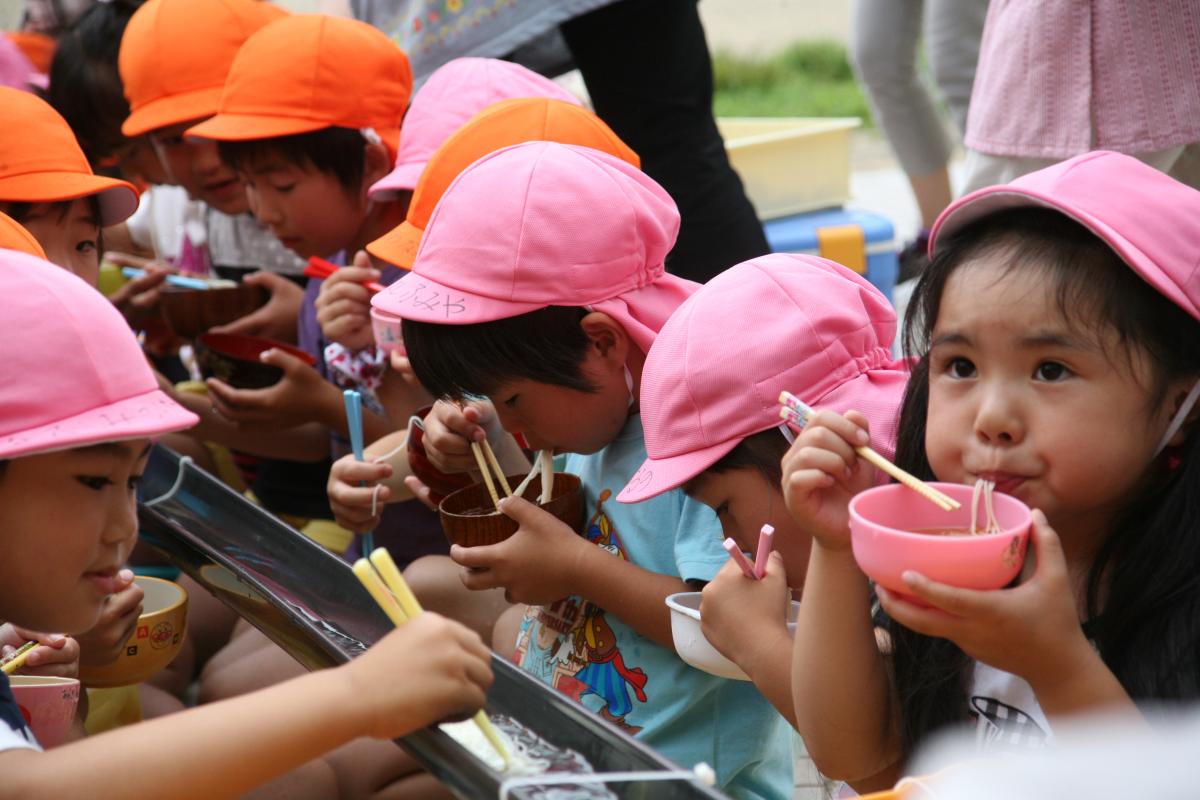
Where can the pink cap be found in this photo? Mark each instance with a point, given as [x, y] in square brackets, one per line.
[779, 322]
[76, 375]
[545, 224]
[1151, 220]
[453, 94]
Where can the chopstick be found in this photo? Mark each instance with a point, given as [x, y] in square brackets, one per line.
[739, 558]
[16, 659]
[491, 459]
[386, 585]
[766, 542]
[321, 269]
[183, 281]
[354, 425]
[487, 473]
[795, 411]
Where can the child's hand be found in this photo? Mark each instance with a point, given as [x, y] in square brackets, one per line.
[278, 318]
[427, 670]
[400, 393]
[421, 492]
[747, 620]
[355, 494]
[450, 429]
[300, 396]
[535, 565]
[56, 656]
[138, 295]
[344, 305]
[1031, 630]
[104, 643]
[821, 472]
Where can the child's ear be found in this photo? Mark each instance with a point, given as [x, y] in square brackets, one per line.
[1179, 395]
[377, 162]
[607, 336]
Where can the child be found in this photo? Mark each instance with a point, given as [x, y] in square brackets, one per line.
[1059, 355]
[355, 505]
[174, 57]
[453, 94]
[48, 187]
[539, 284]
[710, 409]
[15, 237]
[74, 441]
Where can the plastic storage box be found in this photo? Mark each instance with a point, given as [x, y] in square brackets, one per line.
[863, 241]
[791, 164]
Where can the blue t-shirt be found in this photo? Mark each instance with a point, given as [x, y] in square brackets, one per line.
[633, 682]
[14, 731]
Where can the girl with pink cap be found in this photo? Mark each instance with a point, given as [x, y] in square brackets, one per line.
[1057, 332]
[73, 442]
[710, 409]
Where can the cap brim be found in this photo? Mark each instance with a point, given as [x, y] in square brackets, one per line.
[116, 198]
[416, 297]
[243, 127]
[398, 246]
[658, 475]
[145, 415]
[1003, 197]
[172, 110]
[401, 179]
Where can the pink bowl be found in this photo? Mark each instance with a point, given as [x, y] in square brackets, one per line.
[48, 705]
[892, 531]
[387, 331]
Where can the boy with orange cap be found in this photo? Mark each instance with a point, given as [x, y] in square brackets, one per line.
[173, 61]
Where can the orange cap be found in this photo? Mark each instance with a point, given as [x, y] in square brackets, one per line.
[37, 47]
[175, 55]
[310, 71]
[509, 122]
[41, 162]
[15, 237]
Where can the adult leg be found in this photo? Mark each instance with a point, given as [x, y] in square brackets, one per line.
[647, 68]
[953, 29]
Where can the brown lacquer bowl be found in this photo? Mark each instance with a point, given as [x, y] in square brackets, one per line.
[469, 518]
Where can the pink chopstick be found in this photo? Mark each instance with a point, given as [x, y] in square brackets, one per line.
[766, 541]
[322, 269]
[740, 559]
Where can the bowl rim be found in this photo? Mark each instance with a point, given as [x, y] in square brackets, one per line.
[204, 339]
[17, 681]
[179, 601]
[674, 604]
[1020, 529]
[497, 513]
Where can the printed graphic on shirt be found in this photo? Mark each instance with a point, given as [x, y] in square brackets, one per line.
[570, 645]
[999, 724]
[16, 720]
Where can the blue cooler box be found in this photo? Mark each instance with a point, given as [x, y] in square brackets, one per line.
[860, 240]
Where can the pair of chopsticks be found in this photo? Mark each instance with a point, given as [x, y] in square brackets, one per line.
[382, 579]
[485, 457]
[322, 269]
[796, 412]
[16, 659]
[183, 281]
[354, 424]
[755, 571]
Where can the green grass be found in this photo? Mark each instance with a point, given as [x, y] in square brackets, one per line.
[807, 79]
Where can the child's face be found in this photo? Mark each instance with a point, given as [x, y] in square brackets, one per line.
[68, 522]
[1053, 412]
[70, 237]
[196, 166]
[308, 210]
[744, 500]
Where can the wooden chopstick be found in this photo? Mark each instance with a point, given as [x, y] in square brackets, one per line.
[795, 411]
[495, 463]
[386, 584]
[487, 473]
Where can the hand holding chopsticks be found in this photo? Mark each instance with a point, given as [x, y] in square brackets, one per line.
[795, 411]
[386, 585]
[755, 571]
[16, 659]
[321, 269]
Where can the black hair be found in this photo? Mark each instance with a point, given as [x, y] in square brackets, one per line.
[1143, 587]
[336, 151]
[20, 211]
[762, 451]
[453, 361]
[85, 84]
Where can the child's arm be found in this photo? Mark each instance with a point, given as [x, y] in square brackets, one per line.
[226, 748]
[746, 621]
[545, 561]
[845, 709]
[309, 442]
[1031, 630]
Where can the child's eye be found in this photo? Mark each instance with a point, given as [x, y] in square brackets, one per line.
[284, 189]
[512, 401]
[94, 482]
[171, 141]
[960, 368]
[1051, 371]
[86, 246]
[134, 481]
[722, 509]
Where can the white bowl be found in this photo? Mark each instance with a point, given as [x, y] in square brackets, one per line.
[691, 645]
